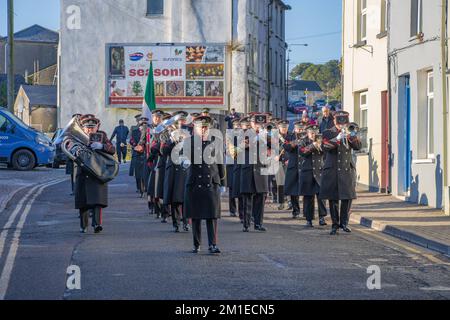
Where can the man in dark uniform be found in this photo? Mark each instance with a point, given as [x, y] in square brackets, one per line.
[152, 159]
[311, 173]
[254, 184]
[175, 177]
[293, 171]
[206, 112]
[233, 116]
[232, 163]
[90, 193]
[132, 129]
[138, 144]
[283, 129]
[204, 179]
[121, 132]
[161, 210]
[339, 172]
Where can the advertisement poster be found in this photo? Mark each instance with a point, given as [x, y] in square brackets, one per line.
[184, 74]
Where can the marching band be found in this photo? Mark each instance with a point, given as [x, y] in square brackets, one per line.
[315, 163]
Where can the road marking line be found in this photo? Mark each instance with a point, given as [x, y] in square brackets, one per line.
[10, 196]
[9, 263]
[406, 247]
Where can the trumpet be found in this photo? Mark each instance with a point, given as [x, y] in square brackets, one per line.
[353, 129]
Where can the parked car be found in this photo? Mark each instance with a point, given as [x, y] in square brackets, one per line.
[319, 104]
[60, 156]
[299, 109]
[22, 147]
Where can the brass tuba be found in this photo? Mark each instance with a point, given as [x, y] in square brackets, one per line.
[75, 145]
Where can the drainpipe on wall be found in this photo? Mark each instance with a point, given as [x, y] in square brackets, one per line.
[444, 68]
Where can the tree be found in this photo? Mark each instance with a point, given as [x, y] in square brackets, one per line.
[299, 69]
[3, 95]
[327, 75]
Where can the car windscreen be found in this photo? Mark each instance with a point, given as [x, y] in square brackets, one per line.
[16, 120]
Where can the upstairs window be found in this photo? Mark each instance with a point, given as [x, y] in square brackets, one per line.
[363, 20]
[416, 17]
[155, 7]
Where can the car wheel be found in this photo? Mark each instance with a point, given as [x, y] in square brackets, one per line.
[23, 160]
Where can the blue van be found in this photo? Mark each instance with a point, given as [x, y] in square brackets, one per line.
[22, 147]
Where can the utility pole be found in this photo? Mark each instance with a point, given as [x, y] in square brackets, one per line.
[10, 56]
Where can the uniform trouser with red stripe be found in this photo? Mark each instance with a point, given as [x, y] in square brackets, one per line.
[211, 227]
[96, 217]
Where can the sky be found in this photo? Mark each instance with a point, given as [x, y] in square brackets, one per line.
[315, 22]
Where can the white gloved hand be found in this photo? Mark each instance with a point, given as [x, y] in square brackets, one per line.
[186, 164]
[96, 146]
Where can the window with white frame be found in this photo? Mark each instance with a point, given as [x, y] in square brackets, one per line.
[416, 17]
[155, 7]
[363, 20]
[430, 115]
[363, 119]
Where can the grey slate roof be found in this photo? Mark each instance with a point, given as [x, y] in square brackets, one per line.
[41, 95]
[36, 33]
[18, 81]
[302, 85]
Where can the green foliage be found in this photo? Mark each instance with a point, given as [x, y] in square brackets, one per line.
[3, 95]
[137, 88]
[327, 75]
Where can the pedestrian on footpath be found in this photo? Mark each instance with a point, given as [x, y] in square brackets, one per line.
[121, 133]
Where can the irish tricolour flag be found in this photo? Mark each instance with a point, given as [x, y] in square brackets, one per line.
[149, 103]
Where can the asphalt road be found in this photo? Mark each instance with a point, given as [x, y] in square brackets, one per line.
[137, 257]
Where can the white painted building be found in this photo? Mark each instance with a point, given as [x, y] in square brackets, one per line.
[88, 28]
[418, 105]
[365, 86]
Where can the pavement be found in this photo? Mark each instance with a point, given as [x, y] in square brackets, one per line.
[138, 257]
[424, 226]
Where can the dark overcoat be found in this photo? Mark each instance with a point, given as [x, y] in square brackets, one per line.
[89, 191]
[311, 168]
[203, 182]
[153, 159]
[175, 178]
[293, 171]
[252, 179]
[339, 171]
[137, 168]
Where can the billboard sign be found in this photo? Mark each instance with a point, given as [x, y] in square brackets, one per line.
[189, 75]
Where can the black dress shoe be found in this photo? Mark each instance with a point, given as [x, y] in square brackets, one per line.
[98, 229]
[346, 229]
[214, 250]
[245, 230]
[164, 220]
[177, 229]
[334, 232]
[260, 228]
[309, 224]
[322, 222]
[196, 250]
[186, 227]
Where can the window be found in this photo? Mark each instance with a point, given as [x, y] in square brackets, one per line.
[155, 7]
[5, 125]
[362, 20]
[430, 115]
[416, 17]
[363, 120]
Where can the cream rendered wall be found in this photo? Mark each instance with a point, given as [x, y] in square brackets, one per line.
[365, 71]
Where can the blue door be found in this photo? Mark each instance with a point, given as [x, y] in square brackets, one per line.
[8, 138]
[408, 134]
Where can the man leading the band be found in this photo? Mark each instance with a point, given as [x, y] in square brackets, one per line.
[90, 193]
[338, 181]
